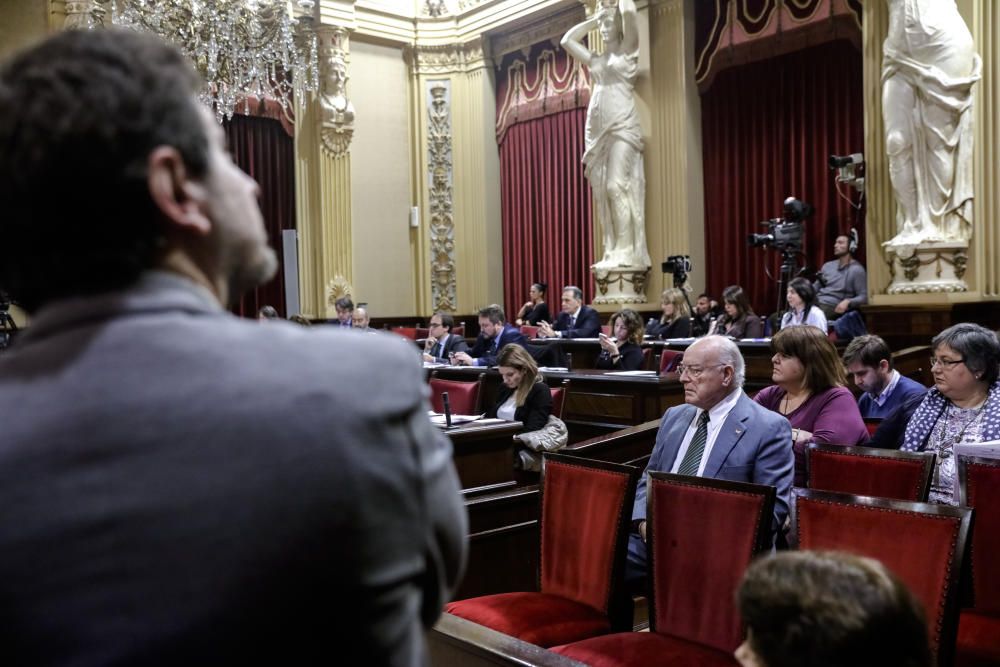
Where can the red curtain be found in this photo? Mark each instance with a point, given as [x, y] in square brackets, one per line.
[545, 208]
[263, 149]
[768, 129]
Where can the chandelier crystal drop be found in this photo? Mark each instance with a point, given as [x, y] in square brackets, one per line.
[244, 49]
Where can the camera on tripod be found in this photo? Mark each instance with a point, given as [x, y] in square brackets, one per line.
[784, 234]
[679, 265]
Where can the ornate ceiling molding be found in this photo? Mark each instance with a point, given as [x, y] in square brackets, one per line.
[447, 59]
[552, 27]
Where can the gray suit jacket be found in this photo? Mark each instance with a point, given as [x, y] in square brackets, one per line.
[754, 445]
[452, 343]
[181, 486]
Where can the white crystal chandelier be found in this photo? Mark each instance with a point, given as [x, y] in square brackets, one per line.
[243, 48]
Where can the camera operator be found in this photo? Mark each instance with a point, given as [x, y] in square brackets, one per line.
[842, 283]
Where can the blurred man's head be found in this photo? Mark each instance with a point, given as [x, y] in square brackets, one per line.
[111, 119]
[359, 318]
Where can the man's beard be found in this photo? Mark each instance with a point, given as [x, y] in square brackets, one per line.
[252, 272]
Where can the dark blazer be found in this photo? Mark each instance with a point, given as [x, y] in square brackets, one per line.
[679, 328]
[587, 325]
[748, 326]
[534, 414]
[452, 343]
[537, 314]
[485, 352]
[631, 359]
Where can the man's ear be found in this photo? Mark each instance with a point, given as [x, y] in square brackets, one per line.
[883, 365]
[180, 199]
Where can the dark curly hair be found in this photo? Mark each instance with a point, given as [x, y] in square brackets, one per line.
[79, 115]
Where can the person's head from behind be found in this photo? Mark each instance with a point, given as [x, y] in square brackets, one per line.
[804, 358]
[800, 295]
[518, 371]
[831, 609]
[344, 306]
[267, 313]
[737, 304]
[359, 318]
[674, 305]
[111, 118]
[712, 369]
[491, 320]
[626, 326]
[868, 361]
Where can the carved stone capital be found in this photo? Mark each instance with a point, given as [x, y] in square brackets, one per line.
[337, 111]
[447, 59]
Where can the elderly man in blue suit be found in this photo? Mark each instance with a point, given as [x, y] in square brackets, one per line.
[719, 433]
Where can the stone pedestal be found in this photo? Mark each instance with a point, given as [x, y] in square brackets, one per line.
[625, 284]
[928, 267]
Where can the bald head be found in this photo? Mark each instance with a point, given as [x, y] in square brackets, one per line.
[713, 368]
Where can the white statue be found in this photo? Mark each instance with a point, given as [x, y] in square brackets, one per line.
[613, 156]
[928, 68]
[337, 108]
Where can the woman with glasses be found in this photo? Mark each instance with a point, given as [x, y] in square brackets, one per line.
[535, 310]
[810, 391]
[962, 407]
[623, 352]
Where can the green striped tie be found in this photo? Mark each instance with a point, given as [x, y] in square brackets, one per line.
[692, 457]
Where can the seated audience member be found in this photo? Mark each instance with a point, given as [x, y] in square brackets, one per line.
[535, 310]
[575, 321]
[718, 433]
[676, 319]
[962, 407]
[623, 352]
[739, 320]
[829, 609]
[809, 390]
[494, 335]
[802, 308]
[183, 486]
[868, 361]
[301, 320]
[345, 309]
[441, 343]
[706, 310]
[267, 313]
[360, 319]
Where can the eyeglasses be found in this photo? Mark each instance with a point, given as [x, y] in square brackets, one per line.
[434, 325]
[947, 363]
[694, 371]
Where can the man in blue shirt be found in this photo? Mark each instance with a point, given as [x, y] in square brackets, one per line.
[494, 333]
[869, 363]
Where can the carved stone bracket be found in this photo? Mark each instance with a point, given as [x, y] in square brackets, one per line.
[442, 223]
[928, 268]
[85, 14]
[625, 285]
[447, 59]
[337, 117]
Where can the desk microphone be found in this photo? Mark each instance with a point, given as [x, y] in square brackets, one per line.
[447, 409]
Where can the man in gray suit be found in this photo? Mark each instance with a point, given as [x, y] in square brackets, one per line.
[719, 432]
[441, 343]
[180, 486]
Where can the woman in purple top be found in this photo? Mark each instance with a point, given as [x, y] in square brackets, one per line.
[809, 390]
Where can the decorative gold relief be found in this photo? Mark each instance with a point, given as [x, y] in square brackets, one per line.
[442, 224]
[446, 59]
[335, 289]
[84, 14]
[337, 116]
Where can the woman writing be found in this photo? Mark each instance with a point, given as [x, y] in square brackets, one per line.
[535, 310]
[739, 320]
[623, 352]
[809, 389]
[962, 407]
[802, 308]
[676, 319]
[524, 397]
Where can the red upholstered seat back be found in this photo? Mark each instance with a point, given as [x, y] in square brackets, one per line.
[422, 332]
[922, 544]
[586, 507]
[866, 471]
[980, 481]
[529, 331]
[406, 332]
[458, 330]
[559, 398]
[463, 396]
[702, 534]
[647, 356]
[669, 360]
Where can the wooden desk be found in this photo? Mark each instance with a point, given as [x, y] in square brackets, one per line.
[484, 455]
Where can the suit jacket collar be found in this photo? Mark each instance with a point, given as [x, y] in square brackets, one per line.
[729, 436]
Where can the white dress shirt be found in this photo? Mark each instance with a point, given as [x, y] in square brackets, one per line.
[716, 418]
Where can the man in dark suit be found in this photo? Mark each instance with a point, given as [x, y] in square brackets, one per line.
[575, 321]
[494, 334]
[441, 342]
[719, 432]
[183, 486]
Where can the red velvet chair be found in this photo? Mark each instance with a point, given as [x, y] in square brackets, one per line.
[407, 332]
[866, 471]
[702, 534]
[529, 331]
[979, 626]
[669, 359]
[559, 398]
[459, 330]
[923, 544]
[647, 358]
[462, 396]
[586, 507]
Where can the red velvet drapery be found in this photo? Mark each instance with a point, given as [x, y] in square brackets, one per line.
[263, 149]
[546, 208]
[768, 129]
